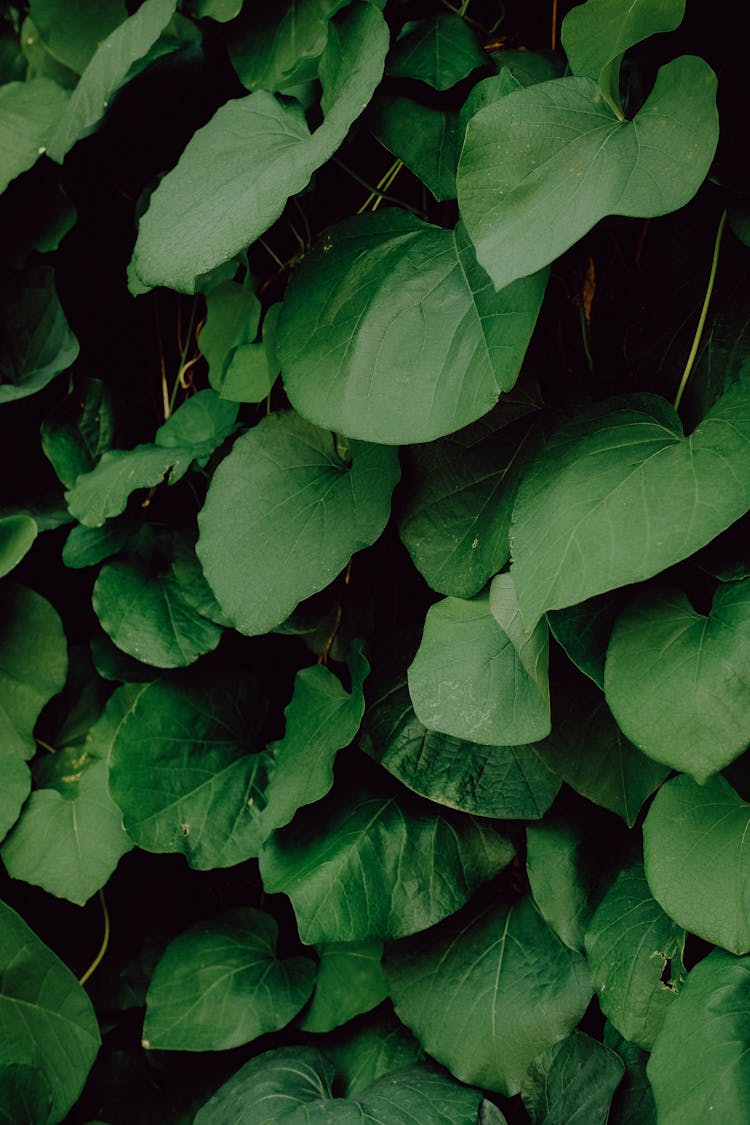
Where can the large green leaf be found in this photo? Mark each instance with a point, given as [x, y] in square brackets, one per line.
[478, 674]
[46, 1019]
[678, 682]
[70, 838]
[572, 1081]
[269, 1087]
[24, 1095]
[439, 50]
[221, 984]
[350, 981]
[37, 343]
[186, 770]
[620, 494]
[15, 783]
[632, 946]
[106, 72]
[72, 32]
[426, 139]
[321, 719]
[79, 430]
[700, 1066]
[541, 166]
[458, 496]
[496, 781]
[391, 332]
[29, 112]
[285, 511]
[486, 992]
[378, 866]
[696, 864]
[17, 533]
[588, 750]
[277, 47]
[252, 155]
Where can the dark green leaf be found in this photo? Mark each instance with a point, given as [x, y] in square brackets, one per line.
[572, 1082]
[37, 343]
[277, 47]
[87, 546]
[104, 492]
[350, 981]
[72, 32]
[46, 1019]
[369, 1047]
[221, 984]
[440, 51]
[79, 430]
[584, 630]
[285, 511]
[186, 770]
[427, 140]
[29, 112]
[554, 866]
[367, 868]
[17, 533]
[201, 424]
[677, 682]
[386, 294]
[24, 1095]
[486, 992]
[269, 1087]
[700, 1066]
[632, 946]
[633, 1102]
[696, 865]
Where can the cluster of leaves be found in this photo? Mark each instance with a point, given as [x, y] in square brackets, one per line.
[373, 660]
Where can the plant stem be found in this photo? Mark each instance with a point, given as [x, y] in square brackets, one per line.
[270, 252]
[103, 947]
[704, 312]
[181, 369]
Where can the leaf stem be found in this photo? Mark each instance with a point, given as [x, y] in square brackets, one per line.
[704, 312]
[183, 357]
[45, 746]
[271, 253]
[103, 947]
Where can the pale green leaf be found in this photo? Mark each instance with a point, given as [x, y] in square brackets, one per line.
[600, 31]
[29, 112]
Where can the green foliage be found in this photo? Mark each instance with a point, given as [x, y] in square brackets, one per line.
[375, 436]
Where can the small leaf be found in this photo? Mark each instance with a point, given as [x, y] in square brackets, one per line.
[232, 319]
[571, 1081]
[440, 51]
[384, 294]
[702, 888]
[201, 424]
[587, 513]
[598, 32]
[104, 492]
[427, 140]
[37, 343]
[186, 770]
[540, 167]
[350, 981]
[486, 992]
[369, 1047]
[269, 1087]
[631, 945]
[478, 677]
[633, 1102]
[47, 1020]
[367, 868]
[221, 984]
[71, 33]
[584, 630]
[277, 48]
[17, 533]
[79, 430]
[87, 546]
[554, 866]
[283, 515]
[29, 112]
[677, 681]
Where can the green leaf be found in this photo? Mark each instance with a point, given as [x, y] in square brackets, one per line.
[269, 1087]
[367, 867]
[620, 494]
[232, 319]
[369, 1047]
[151, 616]
[632, 946]
[700, 1066]
[70, 838]
[321, 719]
[540, 167]
[278, 47]
[589, 752]
[29, 112]
[440, 51]
[584, 630]
[599, 32]
[104, 492]
[33, 664]
[253, 155]
[87, 546]
[572, 1081]
[486, 992]
[221, 984]
[37, 343]
[454, 519]
[106, 72]
[15, 783]
[17, 533]
[24, 1095]
[79, 430]
[71, 33]
[677, 681]
[403, 1096]
[478, 675]
[503, 782]
[350, 981]
[46, 1018]
[633, 1102]
[284, 513]
[186, 770]
[696, 866]
[201, 424]
[384, 294]
[36, 213]
[555, 870]
[425, 139]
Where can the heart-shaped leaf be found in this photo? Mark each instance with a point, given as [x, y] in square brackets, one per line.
[678, 682]
[270, 1087]
[426, 139]
[573, 1080]
[386, 294]
[439, 50]
[350, 981]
